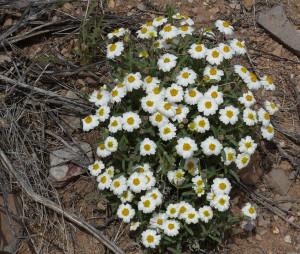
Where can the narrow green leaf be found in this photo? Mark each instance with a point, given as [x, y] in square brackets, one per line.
[189, 230]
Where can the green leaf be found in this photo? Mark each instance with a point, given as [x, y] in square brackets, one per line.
[169, 239]
[188, 193]
[189, 230]
[173, 250]
[93, 5]
[215, 238]
[235, 175]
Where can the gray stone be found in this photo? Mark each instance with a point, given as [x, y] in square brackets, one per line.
[275, 21]
[248, 226]
[286, 205]
[279, 181]
[141, 7]
[263, 232]
[190, 1]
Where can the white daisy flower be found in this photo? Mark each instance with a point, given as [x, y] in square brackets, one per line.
[146, 204]
[133, 81]
[100, 98]
[208, 106]
[115, 124]
[205, 213]
[89, 123]
[125, 212]
[202, 124]
[186, 77]
[111, 144]
[103, 113]
[185, 30]
[193, 171]
[149, 103]
[178, 177]
[159, 21]
[134, 226]
[117, 33]
[267, 83]
[249, 210]
[104, 181]
[151, 180]
[211, 146]
[191, 163]
[186, 20]
[150, 238]
[191, 216]
[166, 62]
[197, 51]
[213, 73]
[241, 71]
[110, 170]
[186, 147]
[158, 220]
[249, 117]
[144, 54]
[158, 93]
[150, 83]
[224, 27]
[142, 168]
[199, 190]
[127, 196]
[208, 33]
[171, 227]
[102, 151]
[210, 197]
[117, 94]
[159, 44]
[221, 202]
[226, 50]
[221, 186]
[114, 49]
[147, 147]
[270, 106]
[166, 108]
[136, 182]
[230, 155]
[215, 94]
[156, 195]
[252, 82]
[169, 43]
[267, 132]
[263, 117]
[247, 145]
[177, 16]
[214, 56]
[96, 168]
[192, 96]
[167, 131]
[238, 46]
[242, 160]
[158, 119]
[170, 176]
[181, 113]
[174, 93]
[183, 208]
[198, 181]
[169, 32]
[118, 185]
[172, 210]
[248, 99]
[229, 115]
[131, 121]
[142, 33]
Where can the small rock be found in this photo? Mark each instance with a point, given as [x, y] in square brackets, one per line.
[263, 232]
[292, 175]
[287, 239]
[279, 181]
[111, 4]
[258, 237]
[68, 6]
[286, 205]
[205, 3]
[190, 1]
[274, 230]
[248, 226]
[101, 207]
[8, 22]
[141, 7]
[262, 222]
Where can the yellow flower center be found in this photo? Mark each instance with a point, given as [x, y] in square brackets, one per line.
[114, 93]
[208, 104]
[130, 120]
[214, 94]
[179, 175]
[144, 30]
[117, 184]
[167, 130]
[158, 118]
[248, 97]
[178, 111]
[156, 44]
[120, 85]
[222, 201]
[160, 221]
[184, 28]
[110, 144]
[251, 116]
[201, 123]
[96, 166]
[167, 60]
[251, 210]
[248, 145]
[272, 105]
[253, 78]
[101, 112]
[225, 24]
[167, 106]
[156, 90]
[125, 212]
[199, 190]
[169, 41]
[213, 71]
[154, 196]
[150, 239]
[192, 126]
[159, 19]
[244, 160]
[186, 147]
[185, 75]
[230, 156]
[102, 146]
[149, 79]
[148, 179]
[229, 113]
[136, 181]
[173, 92]
[147, 203]
[239, 44]
[215, 54]
[199, 182]
[149, 23]
[147, 147]
[99, 96]
[191, 215]
[266, 116]
[192, 93]
[116, 31]
[103, 179]
[131, 79]
[212, 147]
[244, 70]
[222, 186]
[114, 123]
[190, 164]
[112, 47]
[182, 209]
[88, 119]
[270, 129]
[172, 210]
[149, 103]
[198, 48]
[171, 226]
[206, 213]
[226, 49]
[269, 80]
[167, 28]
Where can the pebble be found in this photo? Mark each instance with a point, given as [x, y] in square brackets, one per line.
[288, 239]
[205, 3]
[258, 237]
[263, 232]
[141, 7]
[190, 1]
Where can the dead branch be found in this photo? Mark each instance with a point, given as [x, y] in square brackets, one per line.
[53, 206]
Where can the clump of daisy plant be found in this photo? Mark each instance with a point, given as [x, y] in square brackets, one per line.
[178, 118]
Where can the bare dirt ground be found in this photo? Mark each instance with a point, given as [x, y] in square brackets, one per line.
[48, 60]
